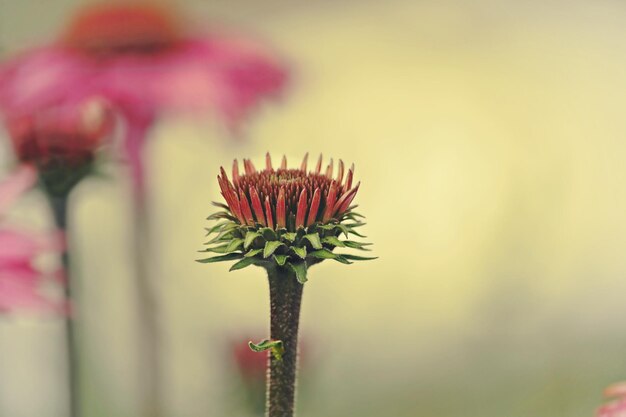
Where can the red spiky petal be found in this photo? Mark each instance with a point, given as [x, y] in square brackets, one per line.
[315, 204]
[245, 208]
[348, 183]
[268, 162]
[235, 171]
[304, 162]
[256, 206]
[231, 198]
[301, 212]
[268, 213]
[340, 173]
[330, 202]
[281, 219]
[287, 198]
[223, 172]
[249, 167]
[344, 202]
[329, 169]
[318, 167]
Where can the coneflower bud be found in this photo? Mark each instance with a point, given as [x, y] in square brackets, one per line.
[286, 217]
[61, 141]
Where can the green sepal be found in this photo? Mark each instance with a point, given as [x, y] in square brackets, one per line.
[291, 236]
[275, 346]
[234, 245]
[348, 230]
[343, 229]
[270, 248]
[300, 252]
[332, 240]
[245, 262]
[252, 252]
[250, 236]
[353, 214]
[268, 234]
[358, 258]
[216, 228]
[217, 249]
[281, 259]
[330, 226]
[222, 215]
[356, 245]
[355, 224]
[220, 205]
[326, 254]
[352, 231]
[300, 270]
[221, 236]
[314, 238]
[227, 257]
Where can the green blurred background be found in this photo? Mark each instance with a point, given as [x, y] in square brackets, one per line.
[489, 137]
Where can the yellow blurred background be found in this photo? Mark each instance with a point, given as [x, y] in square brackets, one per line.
[489, 137]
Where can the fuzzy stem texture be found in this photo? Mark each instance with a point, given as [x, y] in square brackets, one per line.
[59, 210]
[285, 300]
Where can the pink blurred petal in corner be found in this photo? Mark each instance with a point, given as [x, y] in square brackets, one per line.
[617, 406]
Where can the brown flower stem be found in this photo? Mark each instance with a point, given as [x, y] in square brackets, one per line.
[59, 210]
[285, 300]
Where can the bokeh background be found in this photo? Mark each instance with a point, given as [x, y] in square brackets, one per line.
[490, 140]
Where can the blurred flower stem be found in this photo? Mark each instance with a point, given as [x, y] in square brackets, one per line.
[61, 143]
[58, 205]
[285, 300]
[148, 311]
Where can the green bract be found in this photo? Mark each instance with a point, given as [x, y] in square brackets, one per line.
[261, 246]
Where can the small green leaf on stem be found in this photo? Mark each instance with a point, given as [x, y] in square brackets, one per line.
[275, 346]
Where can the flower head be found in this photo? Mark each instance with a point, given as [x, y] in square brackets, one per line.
[287, 218]
[69, 133]
[616, 407]
[20, 279]
[61, 141]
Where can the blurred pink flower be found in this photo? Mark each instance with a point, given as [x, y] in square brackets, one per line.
[139, 57]
[68, 134]
[20, 279]
[616, 407]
